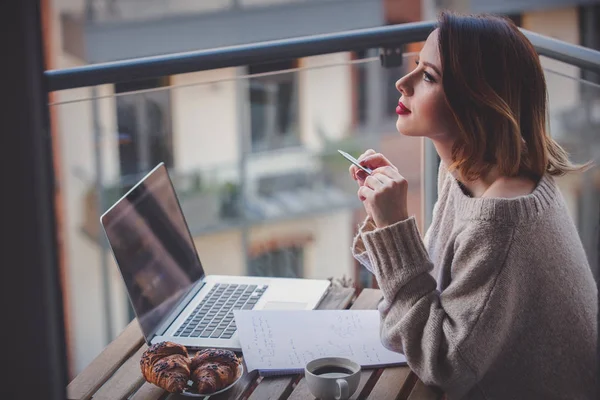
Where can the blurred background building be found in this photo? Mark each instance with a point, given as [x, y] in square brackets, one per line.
[252, 150]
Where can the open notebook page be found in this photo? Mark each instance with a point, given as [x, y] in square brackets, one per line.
[278, 342]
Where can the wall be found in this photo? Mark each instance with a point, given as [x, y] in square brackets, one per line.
[332, 256]
[204, 119]
[221, 253]
[402, 11]
[327, 108]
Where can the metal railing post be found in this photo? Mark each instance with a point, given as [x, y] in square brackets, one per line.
[431, 164]
[242, 110]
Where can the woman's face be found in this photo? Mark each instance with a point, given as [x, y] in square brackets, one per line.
[422, 108]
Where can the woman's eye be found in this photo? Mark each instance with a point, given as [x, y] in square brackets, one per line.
[426, 76]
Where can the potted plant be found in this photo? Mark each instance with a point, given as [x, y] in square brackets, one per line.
[230, 201]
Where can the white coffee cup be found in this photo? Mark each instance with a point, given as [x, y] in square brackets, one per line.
[332, 378]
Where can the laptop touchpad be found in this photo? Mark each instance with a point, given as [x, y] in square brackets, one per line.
[284, 305]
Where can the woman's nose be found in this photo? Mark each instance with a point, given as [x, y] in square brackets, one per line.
[403, 85]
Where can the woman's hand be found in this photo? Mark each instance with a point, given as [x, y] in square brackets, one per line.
[358, 174]
[384, 192]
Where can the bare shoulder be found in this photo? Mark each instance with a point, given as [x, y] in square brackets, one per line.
[510, 187]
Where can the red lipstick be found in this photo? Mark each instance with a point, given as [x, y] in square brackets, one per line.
[402, 109]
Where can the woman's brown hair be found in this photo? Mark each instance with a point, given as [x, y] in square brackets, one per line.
[496, 90]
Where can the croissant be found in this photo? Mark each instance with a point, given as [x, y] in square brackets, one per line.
[212, 369]
[166, 365]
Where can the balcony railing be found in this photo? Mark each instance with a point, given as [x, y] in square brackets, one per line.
[247, 185]
[285, 49]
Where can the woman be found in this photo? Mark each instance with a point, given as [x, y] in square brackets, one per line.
[513, 312]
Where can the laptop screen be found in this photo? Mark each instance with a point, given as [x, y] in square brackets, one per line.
[153, 248]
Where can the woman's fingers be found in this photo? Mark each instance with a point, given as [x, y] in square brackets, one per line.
[384, 196]
[388, 172]
[361, 176]
[375, 161]
[365, 192]
[356, 173]
[374, 181]
[352, 169]
[366, 154]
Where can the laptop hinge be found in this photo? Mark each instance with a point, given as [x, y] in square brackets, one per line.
[172, 316]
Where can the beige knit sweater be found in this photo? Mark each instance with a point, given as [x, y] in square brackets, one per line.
[513, 313]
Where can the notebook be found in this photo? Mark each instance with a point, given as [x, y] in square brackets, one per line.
[279, 342]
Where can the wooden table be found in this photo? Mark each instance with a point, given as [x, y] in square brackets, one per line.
[115, 373]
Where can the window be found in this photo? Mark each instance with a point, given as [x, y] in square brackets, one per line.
[375, 95]
[284, 262]
[143, 126]
[273, 107]
[390, 77]
[280, 256]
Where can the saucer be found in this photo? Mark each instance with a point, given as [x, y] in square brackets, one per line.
[191, 392]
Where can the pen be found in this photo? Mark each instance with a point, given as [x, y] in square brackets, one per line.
[355, 162]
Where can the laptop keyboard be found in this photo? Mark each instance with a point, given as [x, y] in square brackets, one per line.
[213, 317]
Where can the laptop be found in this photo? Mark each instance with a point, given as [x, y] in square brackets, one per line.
[172, 297]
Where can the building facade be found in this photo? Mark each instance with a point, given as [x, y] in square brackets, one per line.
[251, 150]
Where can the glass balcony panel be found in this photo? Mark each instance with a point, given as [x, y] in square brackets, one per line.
[252, 152]
[574, 114]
